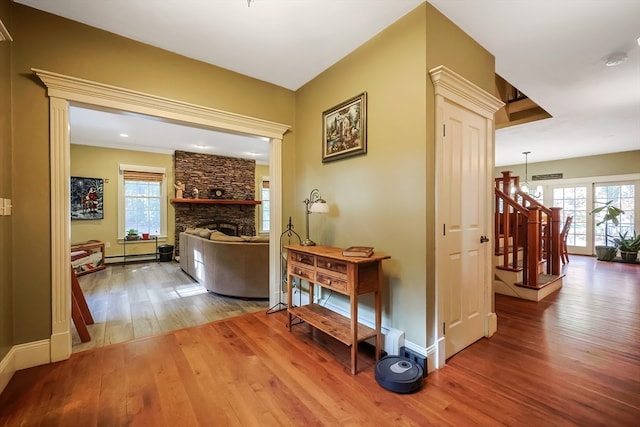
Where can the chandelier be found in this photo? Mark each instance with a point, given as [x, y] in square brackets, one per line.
[524, 186]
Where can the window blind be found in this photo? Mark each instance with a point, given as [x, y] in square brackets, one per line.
[142, 176]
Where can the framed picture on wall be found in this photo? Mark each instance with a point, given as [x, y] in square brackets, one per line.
[344, 131]
[87, 198]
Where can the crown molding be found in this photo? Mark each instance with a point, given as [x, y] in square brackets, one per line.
[455, 87]
[84, 91]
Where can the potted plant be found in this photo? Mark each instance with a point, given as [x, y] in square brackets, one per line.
[628, 246]
[132, 234]
[606, 252]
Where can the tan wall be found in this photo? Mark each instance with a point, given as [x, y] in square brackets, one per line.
[96, 162]
[55, 44]
[579, 167]
[385, 199]
[6, 288]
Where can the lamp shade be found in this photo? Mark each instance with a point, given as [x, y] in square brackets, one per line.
[319, 207]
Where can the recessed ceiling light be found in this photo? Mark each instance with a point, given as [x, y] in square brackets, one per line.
[124, 135]
[616, 59]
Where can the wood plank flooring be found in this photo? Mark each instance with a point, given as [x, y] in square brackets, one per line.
[139, 300]
[572, 359]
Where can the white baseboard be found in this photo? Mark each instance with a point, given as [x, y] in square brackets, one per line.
[427, 353]
[23, 356]
[492, 324]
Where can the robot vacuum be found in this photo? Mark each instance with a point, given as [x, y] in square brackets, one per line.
[399, 374]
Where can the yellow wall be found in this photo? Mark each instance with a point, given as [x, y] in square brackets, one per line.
[96, 162]
[385, 199]
[6, 288]
[55, 44]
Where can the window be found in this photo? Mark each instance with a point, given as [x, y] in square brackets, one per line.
[142, 202]
[623, 196]
[573, 201]
[265, 207]
[578, 197]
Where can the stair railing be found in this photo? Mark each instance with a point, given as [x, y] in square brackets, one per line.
[525, 224]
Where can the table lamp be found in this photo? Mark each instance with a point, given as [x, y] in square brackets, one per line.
[314, 204]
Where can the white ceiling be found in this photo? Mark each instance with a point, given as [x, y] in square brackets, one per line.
[552, 50]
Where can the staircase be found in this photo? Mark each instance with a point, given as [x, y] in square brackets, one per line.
[527, 244]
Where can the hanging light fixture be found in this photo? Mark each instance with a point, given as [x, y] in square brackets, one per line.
[524, 186]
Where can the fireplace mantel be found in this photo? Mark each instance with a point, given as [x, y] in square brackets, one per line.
[216, 201]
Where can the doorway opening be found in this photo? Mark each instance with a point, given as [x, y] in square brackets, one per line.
[63, 90]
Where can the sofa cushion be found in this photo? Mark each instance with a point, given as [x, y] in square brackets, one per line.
[221, 237]
[256, 239]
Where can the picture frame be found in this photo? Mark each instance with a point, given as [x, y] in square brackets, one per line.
[87, 198]
[344, 129]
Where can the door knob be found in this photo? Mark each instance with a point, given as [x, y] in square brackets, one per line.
[484, 239]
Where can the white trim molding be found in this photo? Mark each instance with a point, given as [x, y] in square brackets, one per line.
[64, 91]
[4, 33]
[456, 88]
[23, 356]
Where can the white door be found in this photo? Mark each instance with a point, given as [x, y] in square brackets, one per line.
[463, 199]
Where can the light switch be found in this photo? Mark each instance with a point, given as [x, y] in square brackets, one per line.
[7, 206]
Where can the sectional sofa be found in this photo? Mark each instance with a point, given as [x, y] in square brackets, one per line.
[236, 266]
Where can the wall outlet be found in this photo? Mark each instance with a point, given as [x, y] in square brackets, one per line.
[107, 244]
[415, 358]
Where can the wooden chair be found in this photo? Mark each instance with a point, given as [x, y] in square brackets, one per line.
[80, 312]
[564, 255]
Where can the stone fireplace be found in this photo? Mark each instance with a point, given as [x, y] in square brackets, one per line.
[205, 172]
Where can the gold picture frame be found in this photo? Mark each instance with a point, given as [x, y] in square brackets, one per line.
[344, 129]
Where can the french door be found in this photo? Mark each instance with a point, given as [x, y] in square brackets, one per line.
[579, 199]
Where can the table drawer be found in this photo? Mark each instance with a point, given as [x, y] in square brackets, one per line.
[302, 258]
[306, 273]
[332, 282]
[332, 265]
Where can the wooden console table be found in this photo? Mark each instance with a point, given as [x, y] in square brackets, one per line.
[325, 266]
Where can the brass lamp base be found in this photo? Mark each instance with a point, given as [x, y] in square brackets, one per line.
[308, 242]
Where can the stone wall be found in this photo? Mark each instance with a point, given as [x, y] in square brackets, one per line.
[206, 172]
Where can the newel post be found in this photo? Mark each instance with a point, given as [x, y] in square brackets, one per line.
[506, 182]
[533, 245]
[505, 223]
[554, 254]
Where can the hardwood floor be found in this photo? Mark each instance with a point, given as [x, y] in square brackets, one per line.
[572, 359]
[139, 300]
